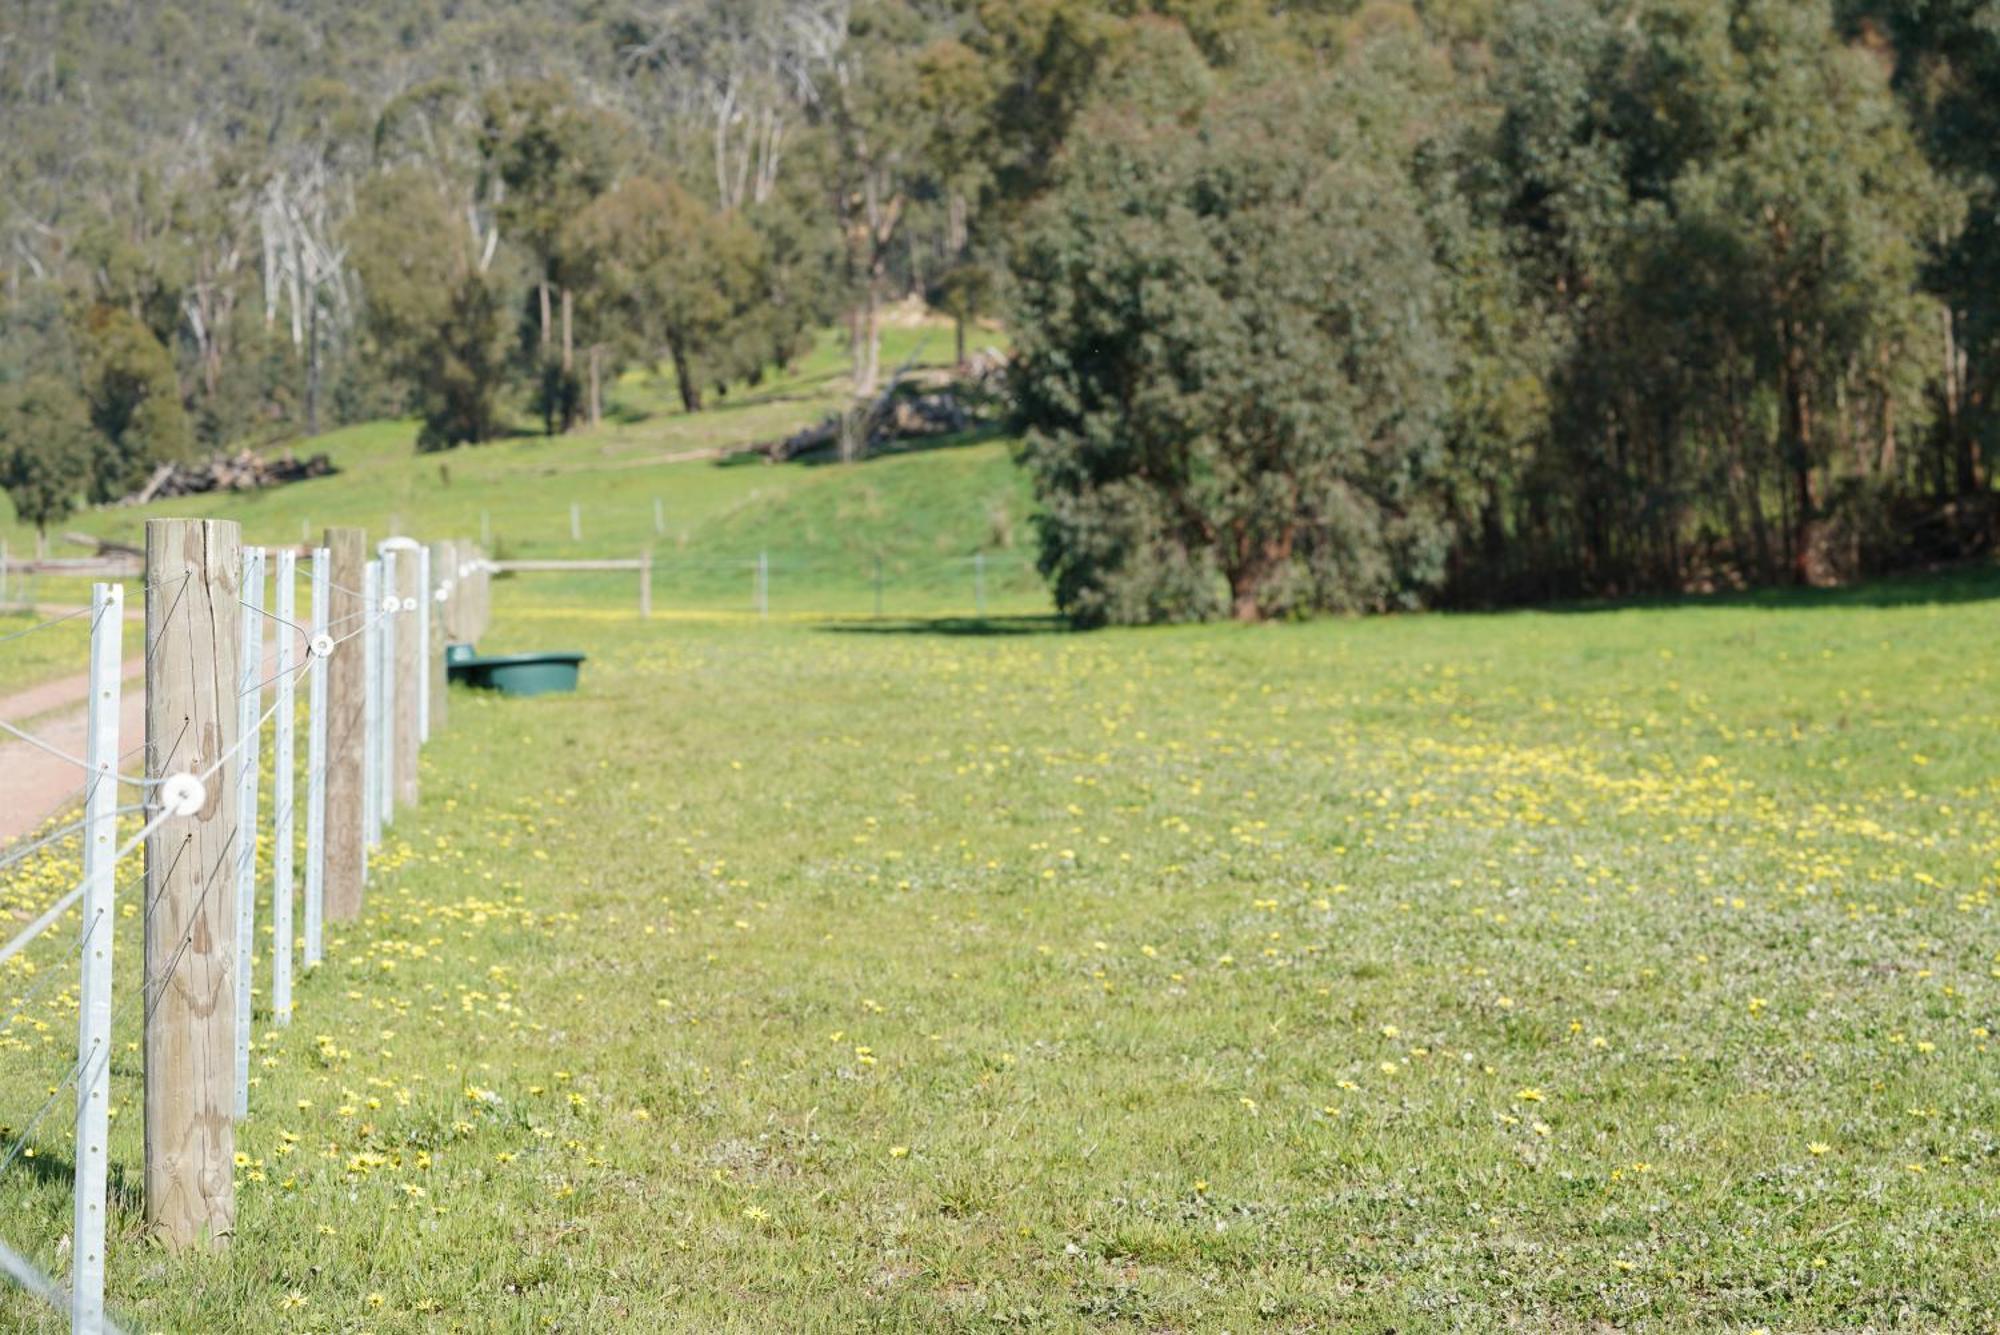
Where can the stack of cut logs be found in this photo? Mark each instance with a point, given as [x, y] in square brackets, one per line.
[242, 471]
[900, 417]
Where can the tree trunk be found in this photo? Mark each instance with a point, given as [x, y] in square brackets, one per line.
[568, 360]
[958, 337]
[1252, 567]
[1795, 429]
[568, 339]
[542, 290]
[690, 387]
[869, 374]
[1243, 605]
[1885, 458]
[312, 370]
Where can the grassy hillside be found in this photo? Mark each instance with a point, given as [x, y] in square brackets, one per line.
[925, 513]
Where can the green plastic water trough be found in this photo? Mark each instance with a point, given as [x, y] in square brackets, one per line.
[517, 674]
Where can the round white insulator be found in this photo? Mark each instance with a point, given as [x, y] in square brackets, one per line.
[183, 794]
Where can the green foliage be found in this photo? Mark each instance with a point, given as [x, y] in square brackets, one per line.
[433, 309]
[134, 401]
[966, 292]
[1231, 366]
[1723, 216]
[553, 155]
[46, 445]
[680, 277]
[1946, 56]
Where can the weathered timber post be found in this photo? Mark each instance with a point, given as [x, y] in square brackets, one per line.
[193, 655]
[386, 635]
[402, 577]
[346, 724]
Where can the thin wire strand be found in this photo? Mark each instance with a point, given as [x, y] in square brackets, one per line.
[55, 968]
[14, 1151]
[23, 1272]
[194, 918]
[186, 577]
[134, 780]
[48, 919]
[14, 855]
[54, 621]
[255, 607]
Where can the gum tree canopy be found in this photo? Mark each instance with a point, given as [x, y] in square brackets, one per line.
[1231, 372]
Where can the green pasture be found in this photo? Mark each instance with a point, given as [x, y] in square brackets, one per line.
[1589, 969]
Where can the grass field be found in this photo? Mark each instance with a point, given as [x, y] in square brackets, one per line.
[1605, 969]
[1598, 969]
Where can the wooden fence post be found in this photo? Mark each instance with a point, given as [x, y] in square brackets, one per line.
[485, 593]
[378, 623]
[645, 583]
[402, 580]
[346, 729]
[473, 624]
[192, 660]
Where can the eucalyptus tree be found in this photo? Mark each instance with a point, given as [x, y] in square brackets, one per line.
[552, 154]
[434, 308]
[1231, 366]
[1947, 70]
[678, 275]
[746, 70]
[46, 444]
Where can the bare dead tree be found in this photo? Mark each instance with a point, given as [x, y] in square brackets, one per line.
[747, 70]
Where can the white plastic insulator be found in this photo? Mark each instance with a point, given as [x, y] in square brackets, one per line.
[183, 794]
[321, 646]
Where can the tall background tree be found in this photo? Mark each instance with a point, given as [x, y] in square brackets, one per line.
[1232, 368]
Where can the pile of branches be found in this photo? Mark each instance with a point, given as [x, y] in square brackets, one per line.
[242, 471]
[913, 407]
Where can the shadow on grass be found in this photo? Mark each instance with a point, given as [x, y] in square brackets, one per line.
[53, 1168]
[1046, 624]
[1974, 582]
